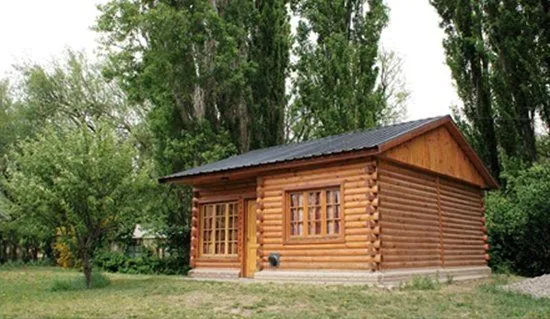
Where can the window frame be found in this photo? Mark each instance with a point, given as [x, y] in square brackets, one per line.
[227, 242]
[332, 238]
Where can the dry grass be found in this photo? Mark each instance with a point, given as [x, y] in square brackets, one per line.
[26, 293]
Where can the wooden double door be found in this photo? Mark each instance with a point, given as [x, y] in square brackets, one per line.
[250, 239]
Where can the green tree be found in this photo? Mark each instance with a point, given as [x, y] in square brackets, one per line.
[518, 37]
[66, 95]
[213, 65]
[213, 73]
[498, 53]
[336, 72]
[81, 179]
[269, 52]
[518, 221]
[468, 59]
[392, 85]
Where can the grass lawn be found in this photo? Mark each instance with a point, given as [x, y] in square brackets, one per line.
[27, 293]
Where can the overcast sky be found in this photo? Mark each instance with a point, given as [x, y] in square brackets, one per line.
[38, 30]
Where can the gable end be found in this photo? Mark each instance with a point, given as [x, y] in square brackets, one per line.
[439, 151]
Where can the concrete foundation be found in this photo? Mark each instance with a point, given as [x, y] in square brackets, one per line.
[378, 278]
[214, 273]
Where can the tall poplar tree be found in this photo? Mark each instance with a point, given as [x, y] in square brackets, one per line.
[468, 59]
[336, 72]
[213, 73]
[207, 67]
[269, 51]
[498, 53]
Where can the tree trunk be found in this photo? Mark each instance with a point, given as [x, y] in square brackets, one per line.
[3, 251]
[13, 252]
[243, 126]
[87, 267]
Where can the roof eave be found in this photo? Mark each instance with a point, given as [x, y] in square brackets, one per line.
[249, 171]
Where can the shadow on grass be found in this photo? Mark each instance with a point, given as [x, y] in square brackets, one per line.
[79, 283]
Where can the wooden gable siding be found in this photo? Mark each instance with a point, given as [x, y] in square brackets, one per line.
[219, 193]
[437, 151]
[348, 253]
[428, 221]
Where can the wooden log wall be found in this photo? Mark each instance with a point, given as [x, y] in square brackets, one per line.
[259, 222]
[194, 253]
[373, 223]
[429, 221]
[409, 218]
[356, 249]
[463, 224]
[230, 191]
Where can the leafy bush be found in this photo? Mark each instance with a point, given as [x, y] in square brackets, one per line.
[30, 263]
[98, 281]
[518, 221]
[145, 264]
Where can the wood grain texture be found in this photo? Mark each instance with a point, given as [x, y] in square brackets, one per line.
[194, 250]
[438, 151]
[352, 252]
[234, 191]
[409, 218]
[429, 221]
[462, 224]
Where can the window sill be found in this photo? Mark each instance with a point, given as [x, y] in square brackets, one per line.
[211, 256]
[314, 240]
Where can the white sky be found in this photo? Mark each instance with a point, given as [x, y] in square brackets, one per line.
[38, 30]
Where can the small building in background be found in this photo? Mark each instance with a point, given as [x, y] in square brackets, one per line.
[144, 239]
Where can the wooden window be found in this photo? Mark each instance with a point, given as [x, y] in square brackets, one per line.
[314, 214]
[334, 217]
[219, 229]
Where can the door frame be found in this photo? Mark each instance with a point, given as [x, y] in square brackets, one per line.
[244, 230]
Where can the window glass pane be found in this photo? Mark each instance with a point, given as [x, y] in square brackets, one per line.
[293, 200]
[322, 211]
[219, 228]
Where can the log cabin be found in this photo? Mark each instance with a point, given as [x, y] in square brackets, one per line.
[376, 206]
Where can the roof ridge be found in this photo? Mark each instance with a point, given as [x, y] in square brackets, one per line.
[340, 134]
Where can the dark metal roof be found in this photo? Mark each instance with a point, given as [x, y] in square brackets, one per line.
[347, 142]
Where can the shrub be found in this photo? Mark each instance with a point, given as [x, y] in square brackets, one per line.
[63, 241]
[518, 221]
[30, 263]
[98, 281]
[145, 264]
